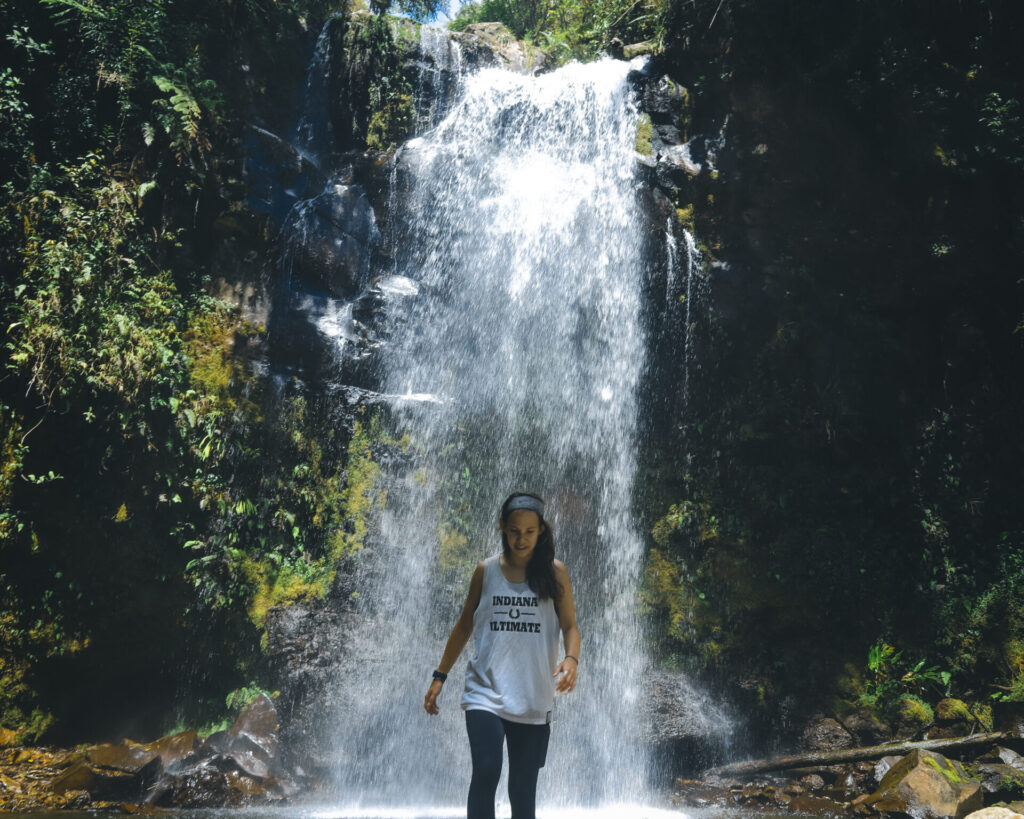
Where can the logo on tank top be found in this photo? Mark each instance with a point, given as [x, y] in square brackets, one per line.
[515, 613]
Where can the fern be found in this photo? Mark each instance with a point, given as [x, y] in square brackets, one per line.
[183, 101]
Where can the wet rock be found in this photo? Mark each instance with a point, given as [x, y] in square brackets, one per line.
[758, 793]
[883, 766]
[1001, 780]
[664, 100]
[815, 805]
[122, 757]
[825, 734]
[278, 176]
[995, 813]
[927, 786]
[219, 742]
[248, 760]
[105, 783]
[493, 44]
[330, 239]
[866, 727]
[308, 651]
[255, 730]
[174, 748]
[812, 782]
[76, 800]
[699, 794]
[1010, 757]
[203, 787]
[682, 723]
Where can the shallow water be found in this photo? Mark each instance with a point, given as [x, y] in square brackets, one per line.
[622, 811]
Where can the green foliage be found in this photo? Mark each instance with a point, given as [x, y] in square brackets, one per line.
[125, 410]
[568, 29]
[644, 133]
[85, 320]
[392, 121]
[848, 425]
[242, 697]
[894, 680]
[378, 92]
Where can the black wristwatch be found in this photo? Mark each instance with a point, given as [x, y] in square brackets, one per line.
[439, 676]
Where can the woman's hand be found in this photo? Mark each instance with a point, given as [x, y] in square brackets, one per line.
[566, 672]
[430, 701]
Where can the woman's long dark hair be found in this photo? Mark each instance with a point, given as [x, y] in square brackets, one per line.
[540, 571]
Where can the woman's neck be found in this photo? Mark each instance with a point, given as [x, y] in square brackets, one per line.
[514, 572]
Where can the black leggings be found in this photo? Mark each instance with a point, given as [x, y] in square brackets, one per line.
[527, 750]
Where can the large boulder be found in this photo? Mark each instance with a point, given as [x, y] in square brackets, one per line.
[1001, 780]
[995, 812]
[927, 785]
[953, 718]
[684, 724]
[825, 734]
[329, 239]
[493, 44]
[866, 727]
[106, 784]
[915, 717]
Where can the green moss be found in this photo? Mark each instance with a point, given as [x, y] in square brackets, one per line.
[676, 519]
[915, 712]
[344, 501]
[361, 496]
[392, 122]
[283, 585]
[644, 135]
[404, 29]
[454, 552]
[982, 712]
[949, 772]
[953, 710]
[216, 373]
[685, 216]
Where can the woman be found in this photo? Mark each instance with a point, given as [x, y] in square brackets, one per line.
[517, 603]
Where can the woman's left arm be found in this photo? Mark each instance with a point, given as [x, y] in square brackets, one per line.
[567, 669]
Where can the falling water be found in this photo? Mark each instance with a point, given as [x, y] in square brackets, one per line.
[518, 230]
[314, 131]
[439, 67]
[694, 288]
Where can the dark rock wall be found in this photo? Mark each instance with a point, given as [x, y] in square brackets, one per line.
[842, 472]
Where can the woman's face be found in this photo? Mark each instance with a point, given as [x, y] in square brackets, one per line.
[522, 528]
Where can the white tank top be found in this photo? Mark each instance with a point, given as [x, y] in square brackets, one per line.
[515, 636]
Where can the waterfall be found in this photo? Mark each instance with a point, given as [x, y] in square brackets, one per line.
[314, 133]
[695, 285]
[439, 66]
[514, 363]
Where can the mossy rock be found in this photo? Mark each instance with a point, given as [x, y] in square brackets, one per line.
[646, 48]
[1000, 780]
[914, 715]
[644, 136]
[953, 710]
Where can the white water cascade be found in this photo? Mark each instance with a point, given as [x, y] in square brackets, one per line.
[519, 346]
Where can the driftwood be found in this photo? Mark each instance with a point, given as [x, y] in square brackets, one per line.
[783, 763]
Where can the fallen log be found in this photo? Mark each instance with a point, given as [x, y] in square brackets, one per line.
[814, 758]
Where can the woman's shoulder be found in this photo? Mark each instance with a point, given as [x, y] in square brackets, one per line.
[561, 570]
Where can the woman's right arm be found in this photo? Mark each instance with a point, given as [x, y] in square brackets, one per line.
[457, 640]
